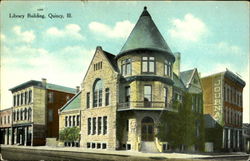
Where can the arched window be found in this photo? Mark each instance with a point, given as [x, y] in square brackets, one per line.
[21, 114]
[25, 113]
[97, 93]
[17, 114]
[29, 113]
[14, 115]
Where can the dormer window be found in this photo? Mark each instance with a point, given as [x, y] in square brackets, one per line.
[148, 64]
[126, 67]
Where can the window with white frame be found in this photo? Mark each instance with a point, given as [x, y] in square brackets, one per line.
[168, 68]
[148, 64]
[126, 68]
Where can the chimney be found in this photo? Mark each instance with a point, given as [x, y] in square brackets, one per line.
[176, 66]
[44, 82]
[77, 89]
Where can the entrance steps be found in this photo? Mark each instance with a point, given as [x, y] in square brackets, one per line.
[148, 146]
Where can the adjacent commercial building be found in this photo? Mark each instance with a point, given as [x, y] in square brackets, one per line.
[246, 137]
[35, 111]
[5, 126]
[223, 93]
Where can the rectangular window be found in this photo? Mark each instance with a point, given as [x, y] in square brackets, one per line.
[14, 101]
[88, 100]
[147, 95]
[94, 126]
[66, 121]
[8, 119]
[99, 125]
[88, 145]
[21, 114]
[98, 145]
[70, 121]
[26, 97]
[104, 146]
[100, 97]
[95, 99]
[74, 121]
[21, 98]
[148, 64]
[127, 94]
[107, 96]
[50, 115]
[50, 97]
[30, 96]
[168, 68]
[126, 67]
[193, 103]
[18, 100]
[89, 126]
[105, 125]
[78, 120]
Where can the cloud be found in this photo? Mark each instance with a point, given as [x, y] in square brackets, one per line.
[3, 37]
[121, 29]
[226, 48]
[25, 36]
[217, 68]
[190, 28]
[70, 30]
[66, 66]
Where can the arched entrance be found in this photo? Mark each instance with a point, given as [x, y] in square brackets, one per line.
[147, 129]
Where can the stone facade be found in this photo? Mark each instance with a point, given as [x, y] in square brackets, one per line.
[139, 85]
[108, 76]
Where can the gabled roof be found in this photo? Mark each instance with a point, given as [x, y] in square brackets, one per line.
[111, 58]
[178, 82]
[186, 76]
[145, 36]
[73, 104]
[39, 84]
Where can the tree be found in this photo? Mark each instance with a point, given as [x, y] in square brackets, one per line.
[69, 134]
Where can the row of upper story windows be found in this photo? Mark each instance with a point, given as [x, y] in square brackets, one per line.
[4, 120]
[97, 125]
[148, 65]
[98, 66]
[71, 121]
[22, 114]
[232, 116]
[23, 98]
[98, 95]
[147, 96]
[232, 96]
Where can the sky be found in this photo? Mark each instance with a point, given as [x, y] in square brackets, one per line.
[211, 36]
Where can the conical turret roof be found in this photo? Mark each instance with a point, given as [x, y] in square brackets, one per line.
[145, 36]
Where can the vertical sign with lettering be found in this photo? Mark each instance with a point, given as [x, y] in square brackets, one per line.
[217, 94]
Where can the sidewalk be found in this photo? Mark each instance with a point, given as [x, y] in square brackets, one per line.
[129, 153]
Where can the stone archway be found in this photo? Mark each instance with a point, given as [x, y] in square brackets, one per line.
[147, 129]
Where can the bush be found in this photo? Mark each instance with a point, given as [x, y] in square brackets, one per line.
[69, 134]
